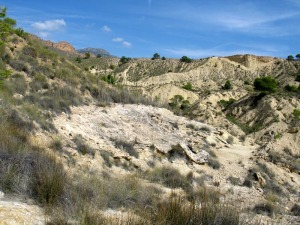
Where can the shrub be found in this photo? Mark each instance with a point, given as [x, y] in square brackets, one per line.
[225, 104]
[247, 82]
[127, 146]
[87, 55]
[295, 210]
[291, 88]
[297, 77]
[20, 32]
[39, 82]
[57, 99]
[19, 65]
[29, 51]
[49, 180]
[56, 144]
[124, 60]
[176, 211]
[82, 147]
[213, 163]
[110, 79]
[267, 208]
[4, 74]
[296, 114]
[156, 56]
[106, 156]
[204, 195]
[227, 85]
[265, 84]
[170, 177]
[188, 87]
[178, 103]
[234, 180]
[248, 183]
[290, 58]
[176, 152]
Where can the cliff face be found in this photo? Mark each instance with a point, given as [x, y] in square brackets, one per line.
[62, 45]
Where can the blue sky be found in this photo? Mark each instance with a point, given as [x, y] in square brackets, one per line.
[173, 28]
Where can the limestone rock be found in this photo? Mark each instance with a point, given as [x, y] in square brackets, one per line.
[260, 179]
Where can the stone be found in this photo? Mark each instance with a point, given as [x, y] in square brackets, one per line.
[260, 179]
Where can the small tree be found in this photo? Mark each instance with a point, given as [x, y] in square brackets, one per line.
[124, 60]
[185, 59]
[227, 85]
[290, 58]
[87, 55]
[265, 84]
[298, 56]
[163, 58]
[99, 56]
[156, 56]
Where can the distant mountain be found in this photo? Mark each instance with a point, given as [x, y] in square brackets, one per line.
[95, 51]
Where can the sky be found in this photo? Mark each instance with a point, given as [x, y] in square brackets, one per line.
[172, 28]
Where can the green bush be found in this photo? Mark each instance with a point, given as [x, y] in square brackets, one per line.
[265, 84]
[225, 104]
[110, 79]
[179, 104]
[227, 85]
[185, 59]
[291, 88]
[296, 114]
[188, 86]
[124, 60]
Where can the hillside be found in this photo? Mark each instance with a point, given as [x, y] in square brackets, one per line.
[101, 141]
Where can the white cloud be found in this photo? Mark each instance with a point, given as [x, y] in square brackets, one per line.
[43, 34]
[49, 25]
[106, 29]
[121, 40]
[118, 39]
[126, 44]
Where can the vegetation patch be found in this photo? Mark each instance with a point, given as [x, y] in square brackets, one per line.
[170, 177]
[82, 147]
[265, 84]
[188, 86]
[225, 104]
[127, 147]
[245, 127]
